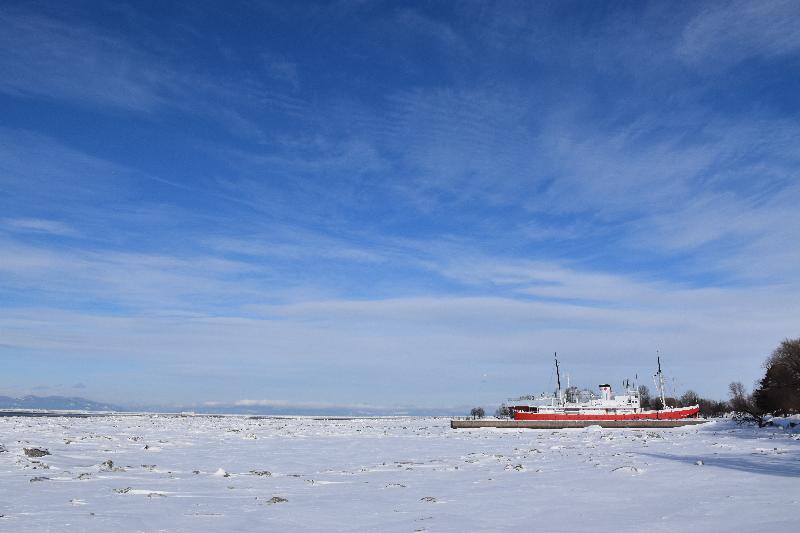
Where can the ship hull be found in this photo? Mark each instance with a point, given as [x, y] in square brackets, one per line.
[574, 424]
[669, 414]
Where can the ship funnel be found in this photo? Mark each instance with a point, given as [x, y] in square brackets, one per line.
[605, 391]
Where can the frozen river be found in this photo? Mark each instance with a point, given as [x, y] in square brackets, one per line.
[160, 473]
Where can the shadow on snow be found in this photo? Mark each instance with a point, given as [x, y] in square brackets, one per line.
[785, 464]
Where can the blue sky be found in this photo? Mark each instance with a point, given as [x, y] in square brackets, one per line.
[394, 204]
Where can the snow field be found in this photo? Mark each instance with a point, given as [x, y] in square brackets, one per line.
[153, 473]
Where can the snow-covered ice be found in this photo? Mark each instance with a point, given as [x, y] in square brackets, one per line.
[164, 473]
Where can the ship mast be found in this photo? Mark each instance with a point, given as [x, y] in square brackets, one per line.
[558, 377]
[660, 382]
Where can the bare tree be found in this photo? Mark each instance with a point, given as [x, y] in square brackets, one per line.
[743, 406]
[713, 408]
[644, 397]
[503, 411]
[689, 398]
[737, 390]
[655, 403]
[477, 412]
[572, 393]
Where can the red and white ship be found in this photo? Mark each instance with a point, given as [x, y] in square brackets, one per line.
[607, 406]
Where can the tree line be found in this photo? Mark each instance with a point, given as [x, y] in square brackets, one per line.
[709, 408]
[776, 394]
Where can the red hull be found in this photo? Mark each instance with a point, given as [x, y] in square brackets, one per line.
[647, 415]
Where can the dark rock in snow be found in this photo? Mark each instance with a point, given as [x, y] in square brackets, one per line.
[108, 466]
[35, 452]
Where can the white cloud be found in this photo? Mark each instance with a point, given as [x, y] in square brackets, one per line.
[304, 405]
[428, 342]
[40, 225]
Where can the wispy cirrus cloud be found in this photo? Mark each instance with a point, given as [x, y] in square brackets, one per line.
[295, 244]
[46, 57]
[40, 225]
[284, 404]
[36, 166]
[403, 199]
[725, 33]
[80, 63]
[125, 280]
[280, 68]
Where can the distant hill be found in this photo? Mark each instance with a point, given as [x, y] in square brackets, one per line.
[56, 403]
[66, 403]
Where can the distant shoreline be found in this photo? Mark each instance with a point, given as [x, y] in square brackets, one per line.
[89, 414]
[6, 413]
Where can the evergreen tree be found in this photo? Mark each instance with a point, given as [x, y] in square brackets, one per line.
[779, 390]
